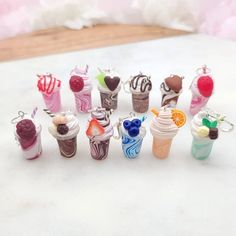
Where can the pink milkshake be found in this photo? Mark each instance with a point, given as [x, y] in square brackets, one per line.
[81, 86]
[49, 86]
[202, 88]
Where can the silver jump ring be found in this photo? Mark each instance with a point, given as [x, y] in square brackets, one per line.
[229, 124]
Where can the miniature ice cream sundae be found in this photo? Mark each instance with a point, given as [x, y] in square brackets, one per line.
[81, 86]
[164, 128]
[132, 134]
[109, 87]
[140, 87]
[171, 89]
[49, 86]
[202, 88]
[99, 132]
[28, 134]
[205, 132]
[64, 129]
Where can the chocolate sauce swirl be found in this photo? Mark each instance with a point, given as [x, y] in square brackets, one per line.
[141, 83]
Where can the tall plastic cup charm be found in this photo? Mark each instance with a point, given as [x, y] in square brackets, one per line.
[81, 86]
[202, 88]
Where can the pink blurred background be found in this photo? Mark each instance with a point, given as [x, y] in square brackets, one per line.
[214, 17]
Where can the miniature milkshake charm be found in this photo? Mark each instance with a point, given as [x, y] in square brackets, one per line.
[205, 127]
[171, 89]
[132, 133]
[109, 87]
[140, 87]
[64, 129]
[49, 86]
[81, 86]
[99, 132]
[28, 134]
[164, 128]
[202, 88]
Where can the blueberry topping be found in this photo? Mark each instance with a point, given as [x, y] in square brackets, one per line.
[133, 131]
[127, 124]
[136, 122]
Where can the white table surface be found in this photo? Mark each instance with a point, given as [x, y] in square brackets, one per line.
[146, 196]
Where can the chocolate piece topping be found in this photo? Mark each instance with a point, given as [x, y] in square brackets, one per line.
[213, 133]
[174, 82]
[112, 83]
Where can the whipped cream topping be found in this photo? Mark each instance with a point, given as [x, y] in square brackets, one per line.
[194, 88]
[100, 116]
[163, 126]
[72, 124]
[196, 123]
[83, 74]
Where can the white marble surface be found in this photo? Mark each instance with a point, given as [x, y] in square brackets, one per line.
[80, 196]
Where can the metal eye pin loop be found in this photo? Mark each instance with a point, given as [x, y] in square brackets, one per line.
[118, 125]
[229, 124]
[203, 70]
[221, 120]
[21, 115]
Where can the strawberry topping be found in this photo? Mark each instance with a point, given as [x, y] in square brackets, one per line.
[205, 85]
[94, 128]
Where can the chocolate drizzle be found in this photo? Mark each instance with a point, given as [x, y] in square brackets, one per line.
[109, 101]
[165, 87]
[145, 84]
[99, 150]
[68, 147]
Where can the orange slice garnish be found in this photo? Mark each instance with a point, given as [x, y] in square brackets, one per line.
[178, 117]
[154, 111]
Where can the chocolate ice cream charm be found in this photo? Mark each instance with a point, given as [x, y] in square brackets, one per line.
[140, 87]
[109, 84]
[171, 88]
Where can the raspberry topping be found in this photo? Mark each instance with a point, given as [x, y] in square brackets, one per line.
[62, 129]
[76, 83]
[26, 129]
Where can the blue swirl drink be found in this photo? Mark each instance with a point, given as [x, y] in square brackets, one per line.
[132, 133]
